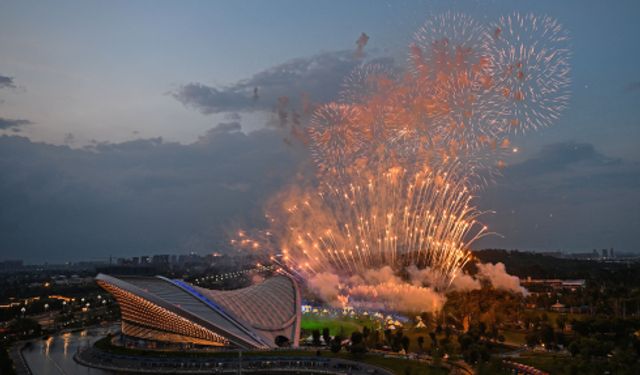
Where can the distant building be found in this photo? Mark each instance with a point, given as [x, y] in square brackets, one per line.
[160, 260]
[11, 265]
[553, 284]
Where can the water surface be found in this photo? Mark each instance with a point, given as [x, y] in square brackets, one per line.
[54, 356]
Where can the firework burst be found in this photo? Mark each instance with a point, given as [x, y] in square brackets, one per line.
[399, 157]
[531, 56]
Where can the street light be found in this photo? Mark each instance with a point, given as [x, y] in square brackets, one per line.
[23, 310]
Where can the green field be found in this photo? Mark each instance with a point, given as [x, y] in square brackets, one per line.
[335, 325]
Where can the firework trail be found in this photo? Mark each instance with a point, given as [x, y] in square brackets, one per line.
[400, 156]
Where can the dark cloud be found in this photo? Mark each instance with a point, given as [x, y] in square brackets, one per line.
[569, 196]
[139, 197]
[7, 123]
[7, 82]
[221, 129]
[558, 157]
[319, 77]
[151, 196]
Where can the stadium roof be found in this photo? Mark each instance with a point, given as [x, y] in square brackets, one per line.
[169, 310]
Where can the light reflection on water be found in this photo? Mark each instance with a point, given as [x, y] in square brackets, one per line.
[54, 356]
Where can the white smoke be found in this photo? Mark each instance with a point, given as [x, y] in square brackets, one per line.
[497, 275]
[399, 297]
[326, 285]
[384, 289]
[464, 283]
[379, 289]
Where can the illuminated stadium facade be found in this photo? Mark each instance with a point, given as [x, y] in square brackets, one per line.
[162, 310]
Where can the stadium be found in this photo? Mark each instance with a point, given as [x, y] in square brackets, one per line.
[170, 312]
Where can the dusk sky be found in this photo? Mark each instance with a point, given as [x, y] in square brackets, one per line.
[128, 128]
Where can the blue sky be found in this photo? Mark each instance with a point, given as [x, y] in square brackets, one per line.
[105, 71]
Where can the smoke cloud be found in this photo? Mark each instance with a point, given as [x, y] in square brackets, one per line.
[378, 289]
[497, 275]
[418, 291]
[326, 285]
[465, 283]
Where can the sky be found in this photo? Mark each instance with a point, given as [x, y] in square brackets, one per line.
[126, 127]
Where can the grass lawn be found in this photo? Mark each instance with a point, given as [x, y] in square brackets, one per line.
[335, 324]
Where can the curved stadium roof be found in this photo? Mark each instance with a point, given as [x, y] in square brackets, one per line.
[161, 309]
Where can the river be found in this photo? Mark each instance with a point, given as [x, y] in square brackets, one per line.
[54, 356]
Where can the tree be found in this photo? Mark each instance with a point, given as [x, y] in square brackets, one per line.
[26, 327]
[326, 336]
[356, 337]
[388, 336]
[366, 332]
[315, 334]
[561, 322]
[6, 365]
[396, 341]
[465, 340]
[547, 335]
[336, 344]
[532, 339]
[357, 344]
[420, 342]
[405, 343]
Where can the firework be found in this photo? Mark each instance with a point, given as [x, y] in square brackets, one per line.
[337, 134]
[400, 155]
[450, 43]
[392, 217]
[531, 58]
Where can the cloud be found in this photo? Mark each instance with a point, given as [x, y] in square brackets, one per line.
[7, 82]
[151, 196]
[557, 157]
[570, 196]
[139, 197]
[221, 129]
[319, 76]
[13, 124]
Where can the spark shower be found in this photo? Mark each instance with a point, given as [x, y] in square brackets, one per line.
[388, 219]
